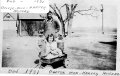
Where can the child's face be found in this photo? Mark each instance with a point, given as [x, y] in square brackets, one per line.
[51, 39]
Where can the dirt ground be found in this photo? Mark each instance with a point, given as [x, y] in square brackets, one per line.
[85, 51]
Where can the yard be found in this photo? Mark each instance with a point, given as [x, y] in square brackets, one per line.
[85, 51]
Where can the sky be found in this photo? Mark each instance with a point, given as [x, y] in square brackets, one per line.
[85, 21]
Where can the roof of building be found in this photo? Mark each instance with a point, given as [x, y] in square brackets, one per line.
[23, 15]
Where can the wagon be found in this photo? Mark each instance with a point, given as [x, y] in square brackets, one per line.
[56, 62]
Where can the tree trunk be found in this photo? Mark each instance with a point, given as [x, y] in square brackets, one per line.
[63, 28]
[69, 27]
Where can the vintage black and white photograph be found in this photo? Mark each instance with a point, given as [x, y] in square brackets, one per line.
[74, 34]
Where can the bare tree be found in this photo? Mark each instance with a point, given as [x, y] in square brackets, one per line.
[70, 12]
[57, 12]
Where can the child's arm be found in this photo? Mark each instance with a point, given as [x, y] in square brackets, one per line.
[60, 52]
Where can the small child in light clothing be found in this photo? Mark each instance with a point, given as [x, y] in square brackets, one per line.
[51, 48]
[41, 44]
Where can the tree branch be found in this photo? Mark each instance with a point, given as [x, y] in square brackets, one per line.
[89, 11]
[55, 12]
[61, 18]
[63, 6]
[74, 7]
[65, 20]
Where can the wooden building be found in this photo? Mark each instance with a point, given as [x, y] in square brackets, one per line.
[29, 24]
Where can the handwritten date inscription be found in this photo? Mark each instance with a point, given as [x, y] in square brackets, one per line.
[37, 1]
[25, 6]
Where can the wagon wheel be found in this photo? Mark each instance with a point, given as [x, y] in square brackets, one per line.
[38, 64]
[66, 63]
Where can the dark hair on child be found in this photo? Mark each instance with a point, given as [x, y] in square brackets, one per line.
[51, 35]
